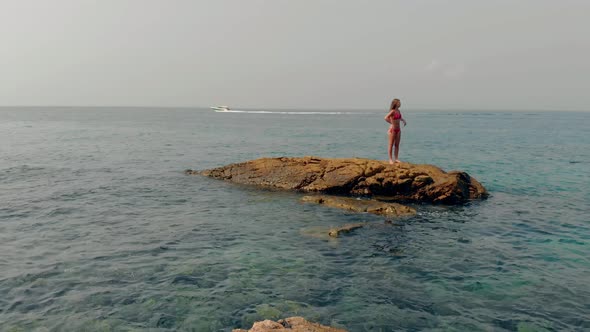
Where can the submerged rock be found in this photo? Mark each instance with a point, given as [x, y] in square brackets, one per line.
[361, 205]
[291, 324]
[354, 176]
[332, 233]
[335, 232]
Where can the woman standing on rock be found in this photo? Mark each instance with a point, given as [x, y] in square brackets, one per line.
[394, 117]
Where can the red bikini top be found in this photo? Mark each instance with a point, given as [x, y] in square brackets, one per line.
[397, 115]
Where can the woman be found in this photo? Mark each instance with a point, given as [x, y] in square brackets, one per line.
[394, 117]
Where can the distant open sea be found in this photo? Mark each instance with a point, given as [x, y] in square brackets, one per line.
[100, 230]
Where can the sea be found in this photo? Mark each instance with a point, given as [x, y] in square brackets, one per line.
[101, 230]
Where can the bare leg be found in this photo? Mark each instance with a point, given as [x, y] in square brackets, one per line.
[390, 147]
[398, 136]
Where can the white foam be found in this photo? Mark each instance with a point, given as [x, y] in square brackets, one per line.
[289, 112]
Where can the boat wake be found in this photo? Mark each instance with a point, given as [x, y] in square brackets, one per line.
[288, 112]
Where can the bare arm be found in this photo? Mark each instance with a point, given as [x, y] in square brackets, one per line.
[404, 121]
[388, 116]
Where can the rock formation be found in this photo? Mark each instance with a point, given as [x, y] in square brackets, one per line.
[291, 324]
[355, 177]
[361, 205]
[336, 231]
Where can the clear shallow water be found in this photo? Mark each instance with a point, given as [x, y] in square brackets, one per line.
[101, 230]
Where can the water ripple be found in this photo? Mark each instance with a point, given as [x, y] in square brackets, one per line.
[100, 230]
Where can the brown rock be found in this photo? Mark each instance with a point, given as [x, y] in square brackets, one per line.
[291, 324]
[335, 232]
[361, 205]
[354, 176]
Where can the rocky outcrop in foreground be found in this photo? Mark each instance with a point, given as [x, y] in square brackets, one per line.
[337, 231]
[356, 177]
[292, 324]
[361, 205]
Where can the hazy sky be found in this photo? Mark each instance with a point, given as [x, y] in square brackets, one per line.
[525, 54]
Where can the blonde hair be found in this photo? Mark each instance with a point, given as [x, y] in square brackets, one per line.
[394, 103]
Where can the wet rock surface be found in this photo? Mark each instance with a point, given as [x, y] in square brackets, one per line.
[291, 324]
[337, 231]
[355, 177]
[361, 205]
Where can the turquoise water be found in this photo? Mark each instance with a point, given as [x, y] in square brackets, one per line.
[100, 230]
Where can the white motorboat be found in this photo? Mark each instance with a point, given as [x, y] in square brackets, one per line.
[220, 108]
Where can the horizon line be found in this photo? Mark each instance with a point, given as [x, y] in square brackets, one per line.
[427, 109]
